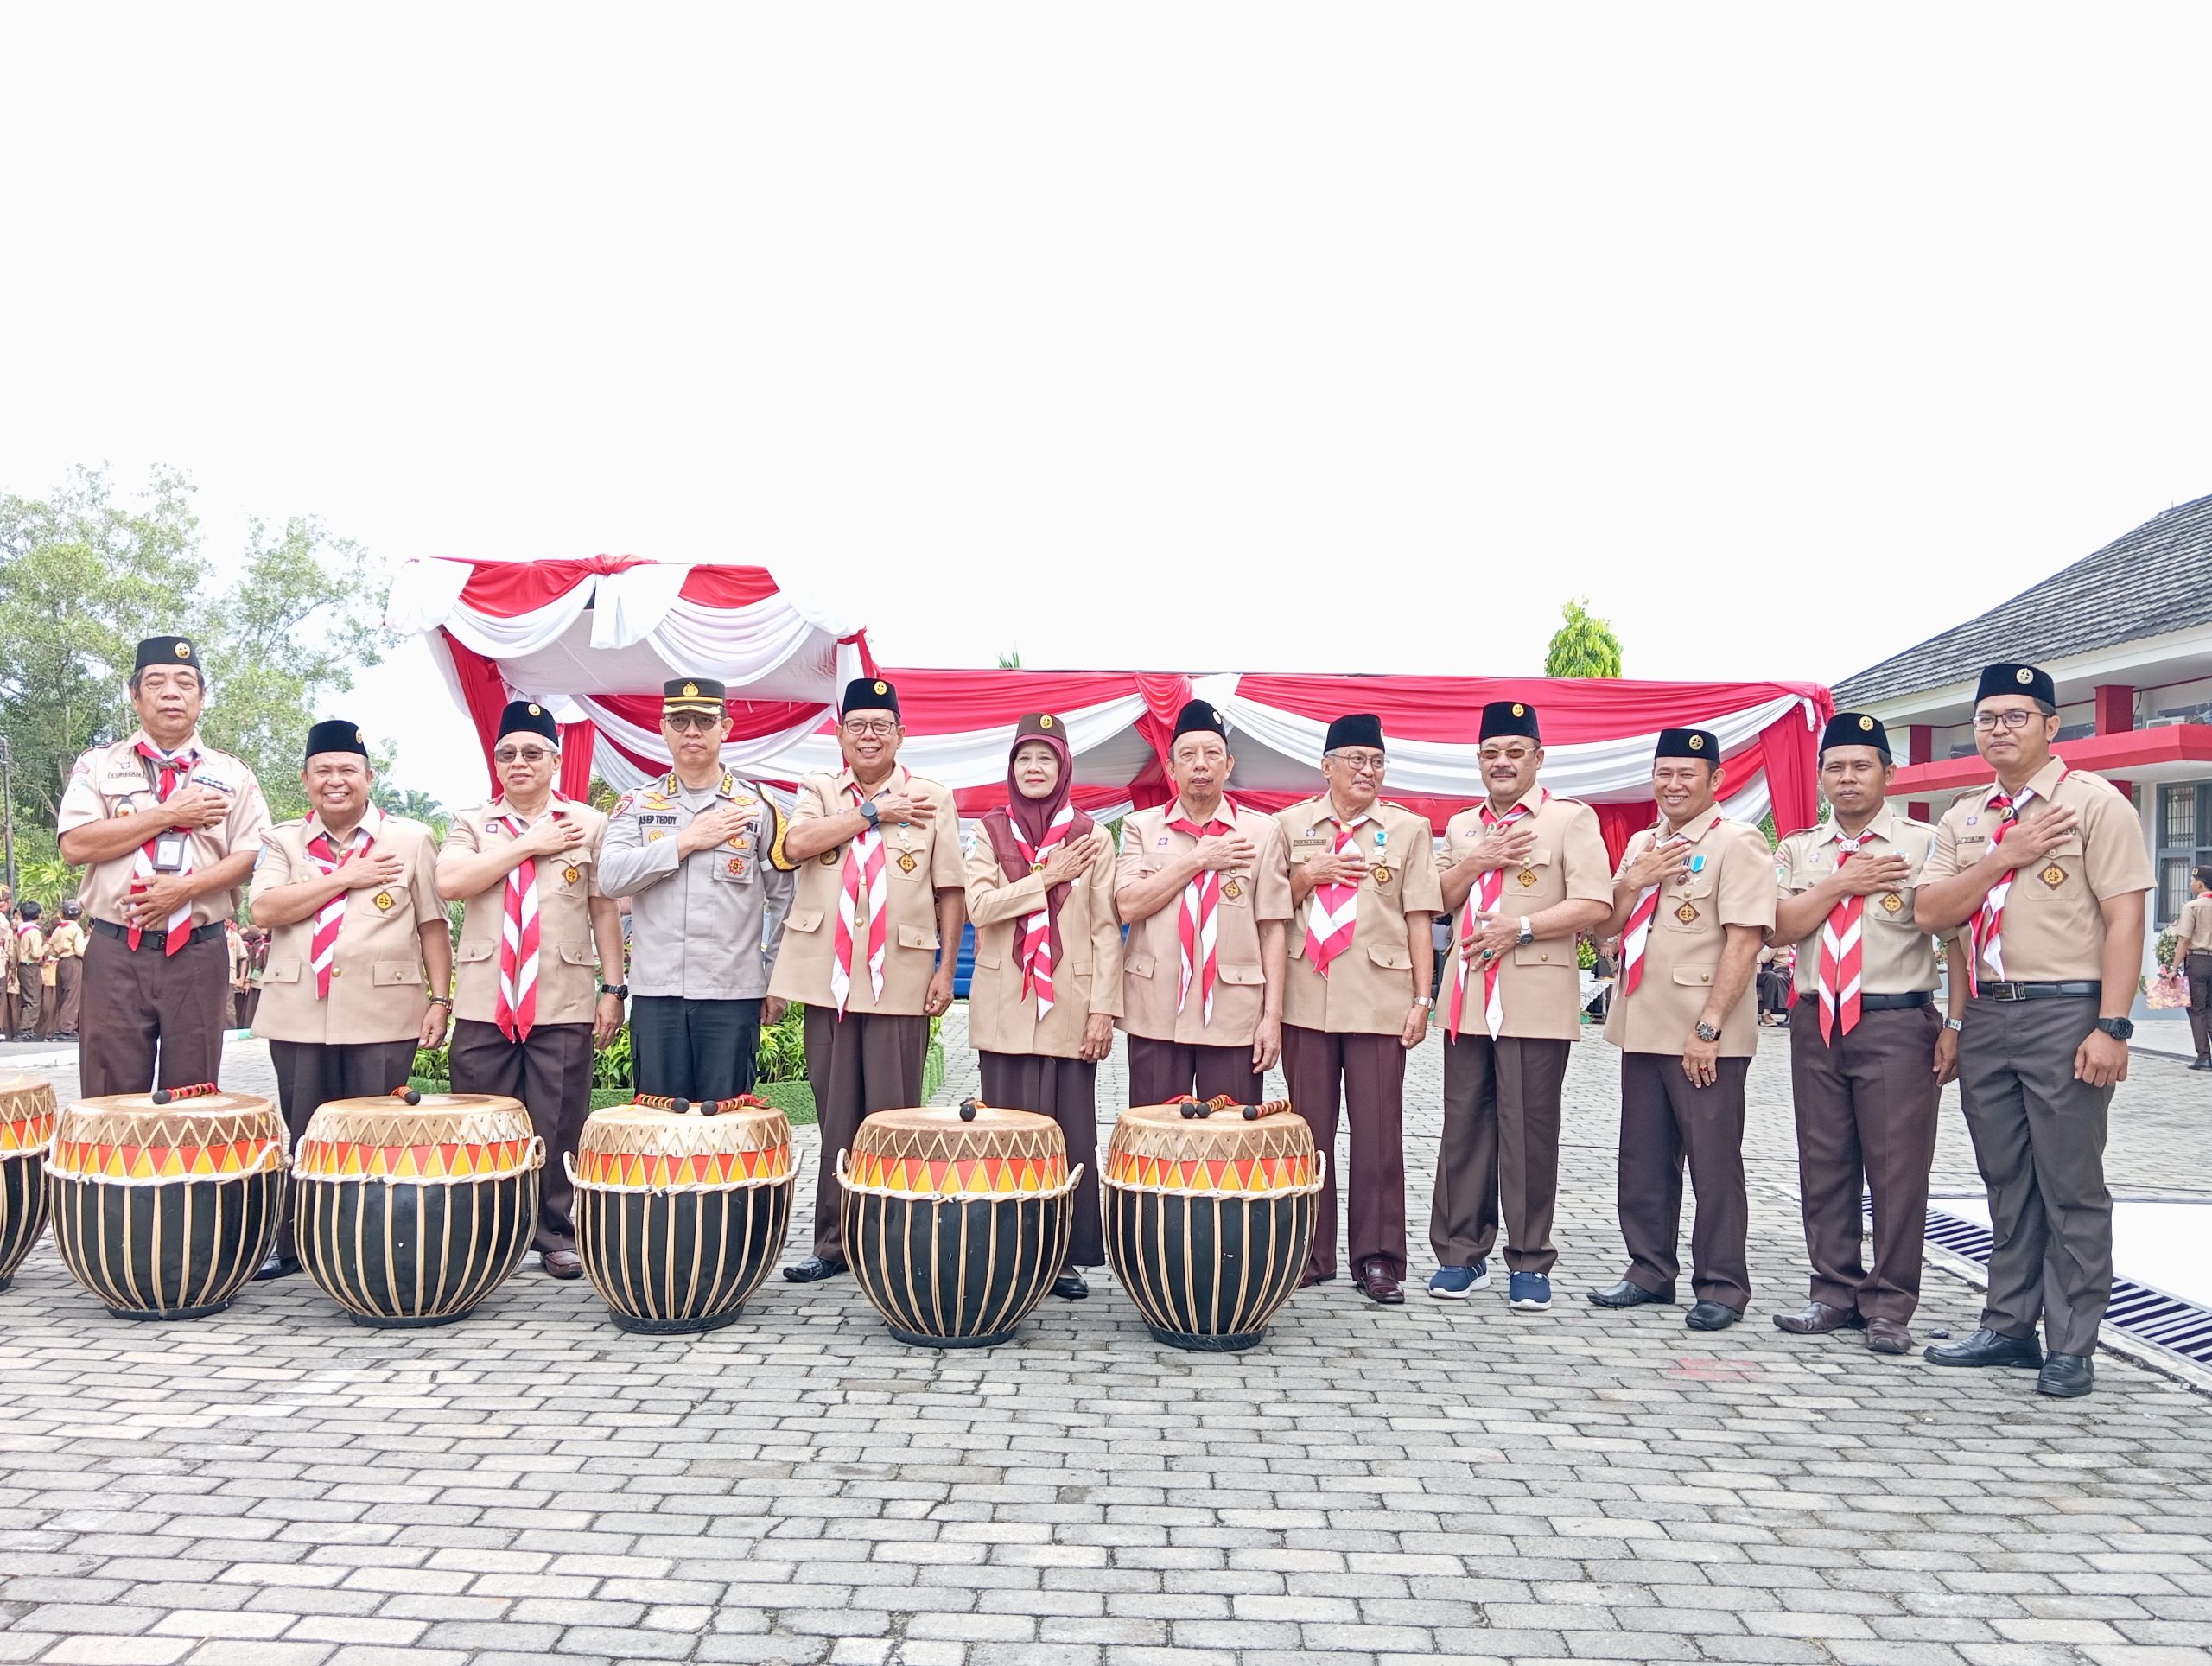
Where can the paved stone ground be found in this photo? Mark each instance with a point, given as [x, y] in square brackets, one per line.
[1437, 1481]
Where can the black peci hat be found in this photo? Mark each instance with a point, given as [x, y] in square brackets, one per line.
[1503, 717]
[2017, 679]
[166, 650]
[1359, 728]
[1199, 717]
[1696, 743]
[869, 694]
[692, 693]
[335, 734]
[528, 717]
[1856, 728]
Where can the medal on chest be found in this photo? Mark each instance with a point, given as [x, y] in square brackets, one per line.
[1382, 856]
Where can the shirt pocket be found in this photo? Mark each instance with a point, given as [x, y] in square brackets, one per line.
[2062, 876]
[1689, 907]
[391, 974]
[470, 953]
[1139, 965]
[802, 919]
[1391, 956]
[917, 937]
[281, 971]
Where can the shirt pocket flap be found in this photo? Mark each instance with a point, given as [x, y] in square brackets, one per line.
[572, 956]
[2067, 848]
[1697, 976]
[1543, 954]
[917, 937]
[281, 971]
[1392, 955]
[1138, 965]
[1243, 974]
[469, 953]
[803, 919]
[389, 974]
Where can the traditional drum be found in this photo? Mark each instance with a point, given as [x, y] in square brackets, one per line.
[165, 1203]
[680, 1217]
[414, 1206]
[955, 1221]
[26, 1122]
[1210, 1216]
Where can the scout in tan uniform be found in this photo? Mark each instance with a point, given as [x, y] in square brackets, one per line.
[1356, 994]
[2195, 930]
[1868, 1051]
[541, 956]
[363, 957]
[1203, 888]
[166, 829]
[29, 953]
[2046, 871]
[874, 932]
[66, 945]
[1529, 872]
[1693, 903]
[1047, 984]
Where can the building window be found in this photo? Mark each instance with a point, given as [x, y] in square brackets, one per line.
[2184, 841]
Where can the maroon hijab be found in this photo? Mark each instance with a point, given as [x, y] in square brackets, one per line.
[1033, 816]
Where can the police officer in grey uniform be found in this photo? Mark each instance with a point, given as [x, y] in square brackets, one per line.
[699, 856]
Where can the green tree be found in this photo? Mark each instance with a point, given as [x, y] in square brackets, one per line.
[413, 803]
[1010, 662]
[1583, 646]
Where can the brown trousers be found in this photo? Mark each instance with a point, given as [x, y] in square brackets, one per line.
[32, 1006]
[865, 1063]
[1160, 1073]
[68, 992]
[1065, 1090]
[1865, 1114]
[2199, 968]
[1366, 1075]
[138, 1000]
[1499, 1151]
[310, 1074]
[550, 1070]
[1664, 1119]
[2040, 1141]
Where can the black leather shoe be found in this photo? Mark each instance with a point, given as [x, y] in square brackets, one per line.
[1625, 1295]
[279, 1265]
[1987, 1348]
[1711, 1316]
[813, 1267]
[2201, 1064]
[1069, 1287]
[1818, 1319]
[2068, 1375]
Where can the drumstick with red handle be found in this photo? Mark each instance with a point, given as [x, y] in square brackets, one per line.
[197, 1090]
[742, 1102]
[1272, 1107]
[408, 1096]
[661, 1102]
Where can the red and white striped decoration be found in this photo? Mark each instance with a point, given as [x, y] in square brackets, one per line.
[865, 903]
[1199, 927]
[327, 859]
[1841, 948]
[173, 767]
[1482, 904]
[1333, 910]
[1034, 949]
[514, 1004]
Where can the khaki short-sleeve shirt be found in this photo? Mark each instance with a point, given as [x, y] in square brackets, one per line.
[111, 781]
[2194, 925]
[1539, 986]
[1151, 963]
[377, 985]
[2053, 930]
[1087, 977]
[1368, 988]
[1896, 956]
[567, 959]
[1734, 885]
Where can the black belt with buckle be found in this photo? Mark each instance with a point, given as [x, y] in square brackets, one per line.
[157, 934]
[2079, 989]
[1883, 1003]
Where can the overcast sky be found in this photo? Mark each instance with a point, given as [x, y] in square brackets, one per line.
[1201, 336]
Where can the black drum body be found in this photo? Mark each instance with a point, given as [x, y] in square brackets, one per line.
[1208, 1272]
[178, 1249]
[402, 1254]
[22, 1209]
[955, 1272]
[675, 1262]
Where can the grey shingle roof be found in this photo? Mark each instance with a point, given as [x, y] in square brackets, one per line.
[2156, 579]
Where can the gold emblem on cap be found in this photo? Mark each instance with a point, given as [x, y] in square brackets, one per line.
[690, 691]
[1044, 722]
[1217, 718]
[2025, 674]
[1697, 743]
[1867, 724]
[184, 650]
[1520, 710]
[882, 687]
[534, 712]
[358, 740]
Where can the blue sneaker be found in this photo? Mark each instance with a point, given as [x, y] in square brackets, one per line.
[1458, 1283]
[1529, 1293]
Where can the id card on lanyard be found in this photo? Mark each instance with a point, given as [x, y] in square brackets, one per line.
[168, 853]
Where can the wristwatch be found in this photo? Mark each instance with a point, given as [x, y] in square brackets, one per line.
[2119, 1028]
[1708, 1033]
[1954, 1023]
[871, 815]
[1426, 1001]
[621, 989]
[1527, 935]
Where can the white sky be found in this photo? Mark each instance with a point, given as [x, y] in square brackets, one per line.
[1211, 336]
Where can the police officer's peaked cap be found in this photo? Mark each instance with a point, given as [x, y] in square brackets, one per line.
[692, 693]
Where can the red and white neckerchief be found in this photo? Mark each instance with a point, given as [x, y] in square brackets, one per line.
[514, 1004]
[1637, 935]
[1841, 946]
[1200, 921]
[867, 903]
[1985, 930]
[1033, 951]
[1482, 903]
[174, 767]
[1333, 910]
[327, 860]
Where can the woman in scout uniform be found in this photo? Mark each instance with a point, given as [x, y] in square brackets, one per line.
[541, 956]
[1356, 994]
[1526, 872]
[699, 855]
[1048, 986]
[2045, 868]
[362, 957]
[875, 929]
[165, 829]
[1869, 1051]
[1694, 902]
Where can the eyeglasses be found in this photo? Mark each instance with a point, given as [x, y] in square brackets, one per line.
[1987, 721]
[1506, 754]
[860, 726]
[683, 722]
[520, 755]
[1371, 763]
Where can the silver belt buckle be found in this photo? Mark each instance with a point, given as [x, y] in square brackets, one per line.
[2007, 991]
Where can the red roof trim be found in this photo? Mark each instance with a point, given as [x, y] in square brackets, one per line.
[2105, 754]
